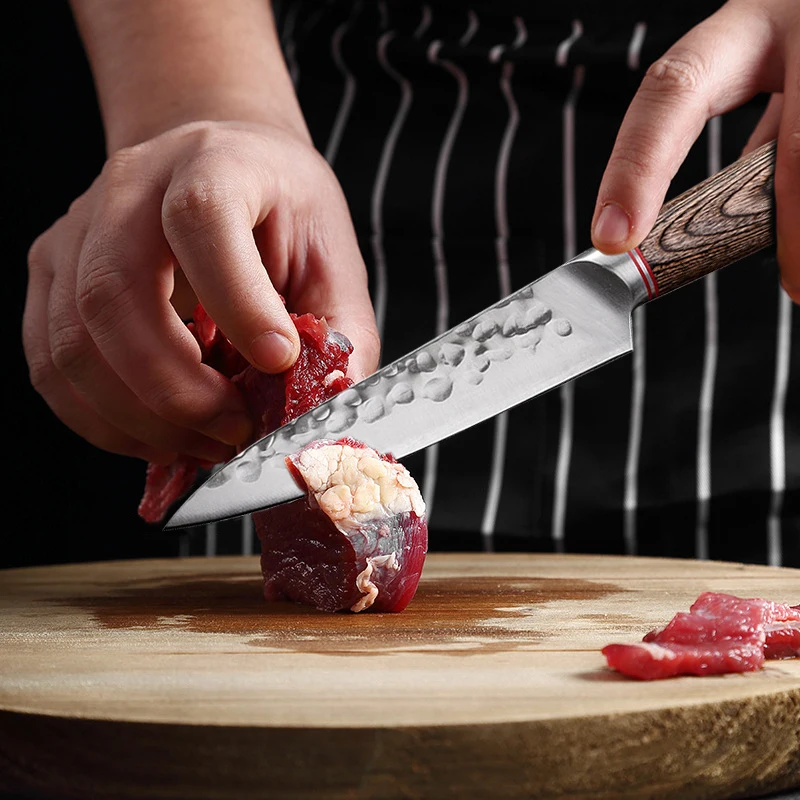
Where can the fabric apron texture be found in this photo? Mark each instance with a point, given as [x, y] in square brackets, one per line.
[470, 142]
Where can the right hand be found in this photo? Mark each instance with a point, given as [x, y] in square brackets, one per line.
[230, 214]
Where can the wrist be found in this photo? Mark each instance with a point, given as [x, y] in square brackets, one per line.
[160, 65]
[132, 122]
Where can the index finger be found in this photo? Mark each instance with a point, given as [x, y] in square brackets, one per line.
[208, 216]
[717, 66]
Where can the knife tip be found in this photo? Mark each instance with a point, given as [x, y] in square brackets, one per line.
[182, 518]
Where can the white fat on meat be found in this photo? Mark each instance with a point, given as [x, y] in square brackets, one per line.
[368, 589]
[331, 377]
[657, 652]
[353, 485]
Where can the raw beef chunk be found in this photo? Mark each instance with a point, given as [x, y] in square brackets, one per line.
[358, 539]
[164, 485]
[316, 376]
[720, 633]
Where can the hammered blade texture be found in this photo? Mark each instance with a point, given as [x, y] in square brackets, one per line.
[572, 320]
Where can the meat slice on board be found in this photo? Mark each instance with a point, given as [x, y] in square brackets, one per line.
[719, 634]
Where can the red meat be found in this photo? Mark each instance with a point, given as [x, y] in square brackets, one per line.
[164, 484]
[783, 632]
[720, 633]
[782, 640]
[317, 375]
[359, 537]
[364, 534]
[649, 661]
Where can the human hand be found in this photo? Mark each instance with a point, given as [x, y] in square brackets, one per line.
[747, 47]
[199, 210]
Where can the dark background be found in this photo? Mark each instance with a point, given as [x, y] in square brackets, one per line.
[66, 501]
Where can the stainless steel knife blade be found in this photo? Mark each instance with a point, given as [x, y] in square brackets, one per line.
[573, 320]
[570, 321]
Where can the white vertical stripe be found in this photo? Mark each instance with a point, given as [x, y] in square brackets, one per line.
[635, 45]
[635, 429]
[378, 191]
[211, 539]
[424, 22]
[568, 213]
[639, 373]
[472, 28]
[522, 33]
[348, 94]
[503, 273]
[437, 209]
[289, 41]
[247, 535]
[777, 441]
[211, 527]
[562, 53]
[312, 19]
[706, 410]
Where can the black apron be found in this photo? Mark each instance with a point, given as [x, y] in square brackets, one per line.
[470, 143]
[471, 168]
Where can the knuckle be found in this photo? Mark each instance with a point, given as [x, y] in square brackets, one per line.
[118, 168]
[209, 140]
[102, 288]
[41, 371]
[37, 253]
[70, 347]
[680, 71]
[632, 160]
[169, 400]
[195, 206]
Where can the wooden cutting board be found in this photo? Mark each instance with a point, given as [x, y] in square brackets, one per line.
[174, 679]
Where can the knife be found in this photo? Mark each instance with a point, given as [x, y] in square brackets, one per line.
[572, 320]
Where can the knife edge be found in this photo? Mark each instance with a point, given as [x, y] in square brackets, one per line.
[569, 322]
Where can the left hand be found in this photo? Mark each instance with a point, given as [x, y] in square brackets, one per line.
[747, 47]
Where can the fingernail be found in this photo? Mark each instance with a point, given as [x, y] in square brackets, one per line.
[231, 427]
[613, 226]
[272, 351]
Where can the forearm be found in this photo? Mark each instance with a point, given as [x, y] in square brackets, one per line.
[160, 64]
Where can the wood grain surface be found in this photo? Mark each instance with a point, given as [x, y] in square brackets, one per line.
[725, 218]
[174, 678]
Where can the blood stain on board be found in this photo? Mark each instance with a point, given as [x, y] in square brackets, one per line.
[465, 615]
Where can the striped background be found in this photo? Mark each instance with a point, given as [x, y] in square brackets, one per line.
[690, 447]
[470, 143]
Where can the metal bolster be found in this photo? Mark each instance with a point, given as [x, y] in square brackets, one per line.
[631, 267]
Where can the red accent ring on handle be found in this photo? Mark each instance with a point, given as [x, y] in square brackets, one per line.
[646, 273]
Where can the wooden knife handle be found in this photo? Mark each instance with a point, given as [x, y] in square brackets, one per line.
[726, 217]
